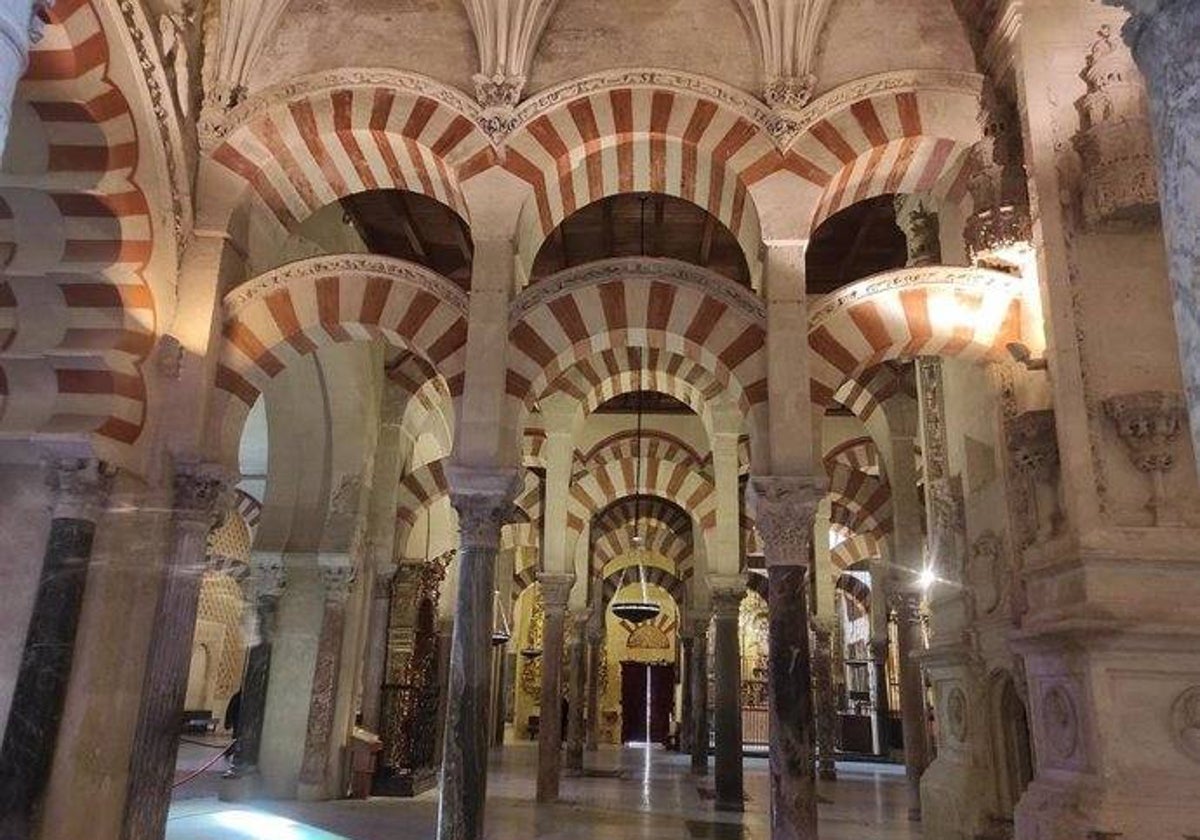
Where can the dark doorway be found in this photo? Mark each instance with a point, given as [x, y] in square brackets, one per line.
[647, 696]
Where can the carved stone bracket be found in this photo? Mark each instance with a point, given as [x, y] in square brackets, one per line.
[1033, 450]
[203, 494]
[1149, 424]
[786, 510]
[999, 232]
[79, 487]
[268, 576]
[787, 33]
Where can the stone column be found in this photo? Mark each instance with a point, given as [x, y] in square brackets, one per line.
[79, 490]
[823, 697]
[555, 590]
[577, 676]
[879, 655]
[1163, 36]
[377, 643]
[20, 28]
[498, 656]
[686, 726]
[595, 658]
[786, 508]
[700, 732]
[482, 500]
[445, 645]
[200, 492]
[727, 704]
[267, 581]
[338, 578]
[912, 696]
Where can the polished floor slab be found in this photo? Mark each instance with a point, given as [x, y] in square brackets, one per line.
[630, 794]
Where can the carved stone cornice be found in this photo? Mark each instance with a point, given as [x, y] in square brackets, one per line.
[785, 509]
[202, 493]
[643, 270]
[79, 487]
[342, 265]
[999, 230]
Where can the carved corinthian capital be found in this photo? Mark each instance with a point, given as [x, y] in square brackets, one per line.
[79, 487]
[786, 33]
[483, 500]
[203, 493]
[786, 508]
[507, 34]
[1149, 423]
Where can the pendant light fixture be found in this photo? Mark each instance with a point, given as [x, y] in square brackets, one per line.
[501, 631]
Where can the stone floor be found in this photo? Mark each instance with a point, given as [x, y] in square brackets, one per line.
[654, 798]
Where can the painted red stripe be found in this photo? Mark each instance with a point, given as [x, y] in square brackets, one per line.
[343, 126]
[935, 165]
[868, 120]
[236, 162]
[268, 133]
[910, 114]
[306, 121]
[832, 139]
[418, 118]
[622, 108]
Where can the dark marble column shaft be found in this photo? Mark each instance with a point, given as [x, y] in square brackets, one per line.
[912, 697]
[79, 489]
[879, 654]
[377, 642]
[727, 702]
[201, 495]
[686, 727]
[338, 580]
[825, 702]
[481, 512]
[787, 507]
[555, 590]
[700, 730]
[595, 658]
[498, 700]
[576, 691]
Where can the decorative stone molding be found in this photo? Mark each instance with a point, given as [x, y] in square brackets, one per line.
[921, 230]
[79, 487]
[786, 508]
[236, 33]
[338, 579]
[1060, 722]
[987, 572]
[956, 714]
[1033, 451]
[483, 500]
[1119, 179]
[507, 34]
[1149, 424]
[556, 591]
[1185, 722]
[999, 232]
[786, 33]
[203, 493]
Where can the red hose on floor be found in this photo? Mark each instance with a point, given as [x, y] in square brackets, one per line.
[207, 764]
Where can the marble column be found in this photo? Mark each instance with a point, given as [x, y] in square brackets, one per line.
[700, 731]
[497, 717]
[338, 579]
[201, 493]
[79, 489]
[686, 726]
[577, 677]
[555, 590]
[445, 646]
[267, 581]
[786, 508]
[595, 640]
[912, 696]
[377, 643]
[879, 655]
[824, 700]
[482, 500]
[727, 702]
[1163, 36]
[20, 28]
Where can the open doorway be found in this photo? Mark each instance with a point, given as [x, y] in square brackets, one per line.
[647, 695]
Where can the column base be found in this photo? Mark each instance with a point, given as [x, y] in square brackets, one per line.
[1071, 811]
[404, 785]
[241, 787]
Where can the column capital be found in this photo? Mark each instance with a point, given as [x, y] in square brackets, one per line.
[202, 493]
[556, 590]
[786, 507]
[727, 595]
[338, 577]
[268, 576]
[79, 486]
[385, 573]
[483, 500]
[906, 602]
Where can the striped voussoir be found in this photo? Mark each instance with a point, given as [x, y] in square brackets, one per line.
[864, 394]
[309, 151]
[857, 589]
[250, 509]
[633, 139]
[896, 141]
[524, 579]
[657, 576]
[665, 526]
[867, 497]
[418, 490]
[678, 482]
[657, 304]
[855, 548]
[966, 313]
[527, 531]
[858, 453]
[533, 443]
[77, 316]
[298, 308]
[654, 444]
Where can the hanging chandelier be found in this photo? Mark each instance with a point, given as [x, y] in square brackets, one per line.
[637, 611]
[501, 631]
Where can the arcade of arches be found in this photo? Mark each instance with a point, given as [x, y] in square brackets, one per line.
[463, 400]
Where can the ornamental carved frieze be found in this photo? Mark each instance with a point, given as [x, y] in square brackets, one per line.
[999, 231]
[1033, 453]
[1149, 423]
[1060, 723]
[1119, 177]
[786, 508]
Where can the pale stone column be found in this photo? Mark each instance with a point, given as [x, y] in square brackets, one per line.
[482, 499]
[912, 696]
[267, 581]
[700, 730]
[577, 676]
[1163, 35]
[727, 598]
[556, 589]
[377, 642]
[687, 727]
[79, 490]
[201, 491]
[786, 508]
[338, 578]
[20, 28]
[595, 641]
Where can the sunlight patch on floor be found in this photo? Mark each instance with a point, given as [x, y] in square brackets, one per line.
[238, 824]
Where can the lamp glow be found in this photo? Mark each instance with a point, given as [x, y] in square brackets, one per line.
[927, 578]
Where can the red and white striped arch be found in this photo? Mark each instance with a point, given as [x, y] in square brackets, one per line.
[679, 483]
[77, 315]
[967, 313]
[300, 151]
[295, 310]
[651, 304]
[898, 135]
[418, 490]
[859, 454]
[867, 498]
[856, 548]
[666, 527]
[655, 443]
[607, 140]
[528, 501]
[674, 585]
